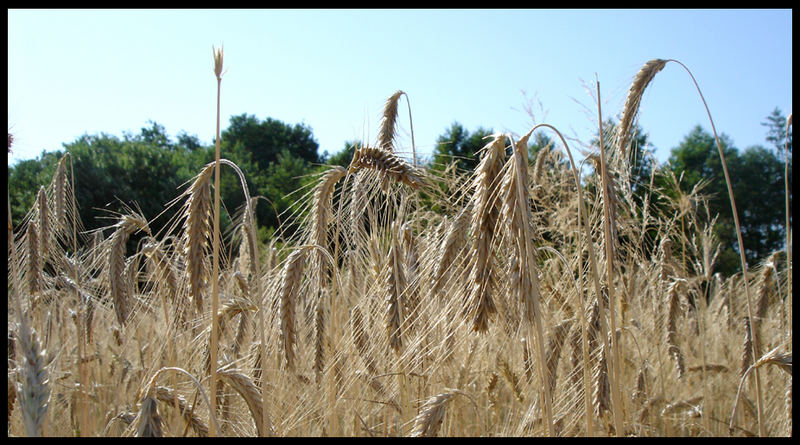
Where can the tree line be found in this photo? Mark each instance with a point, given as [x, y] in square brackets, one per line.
[147, 170]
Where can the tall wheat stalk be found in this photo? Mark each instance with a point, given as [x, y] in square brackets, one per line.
[218, 58]
[616, 397]
[743, 260]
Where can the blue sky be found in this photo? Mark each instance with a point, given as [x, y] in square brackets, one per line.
[75, 72]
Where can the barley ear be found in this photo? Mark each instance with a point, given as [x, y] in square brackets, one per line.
[386, 134]
[290, 286]
[430, 418]
[149, 419]
[631, 107]
[34, 393]
[480, 305]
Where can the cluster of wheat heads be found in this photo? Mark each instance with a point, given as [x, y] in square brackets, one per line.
[378, 316]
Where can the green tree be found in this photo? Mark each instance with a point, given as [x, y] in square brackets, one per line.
[24, 180]
[459, 144]
[758, 188]
[776, 131]
[263, 141]
[136, 171]
[537, 142]
[344, 156]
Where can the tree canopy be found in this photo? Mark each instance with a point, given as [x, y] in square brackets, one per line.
[147, 171]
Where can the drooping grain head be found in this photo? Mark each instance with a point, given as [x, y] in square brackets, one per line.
[430, 418]
[554, 346]
[44, 221]
[60, 193]
[386, 133]
[394, 287]
[169, 397]
[34, 392]
[361, 340]
[451, 245]
[251, 395]
[149, 419]
[34, 260]
[631, 107]
[287, 297]
[319, 334]
[197, 231]
[116, 274]
[485, 203]
[389, 166]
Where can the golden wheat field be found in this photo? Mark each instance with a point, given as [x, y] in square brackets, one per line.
[532, 304]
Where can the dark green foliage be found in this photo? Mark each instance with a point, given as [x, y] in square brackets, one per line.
[757, 177]
[264, 140]
[148, 170]
[459, 144]
[343, 157]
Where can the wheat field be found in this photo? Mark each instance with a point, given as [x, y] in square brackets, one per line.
[533, 302]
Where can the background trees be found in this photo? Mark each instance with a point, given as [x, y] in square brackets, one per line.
[757, 177]
[147, 170]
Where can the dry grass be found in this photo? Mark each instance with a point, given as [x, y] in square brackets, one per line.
[379, 317]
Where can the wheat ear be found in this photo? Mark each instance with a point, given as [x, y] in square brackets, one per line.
[149, 419]
[394, 286]
[321, 216]
[127, 225]
[673, 311]
[450, 246]
[782, 360]
[554, 346]
[389, 165]
[480, 306]
[196, 233]
[361, 340]
[169, 396]
[386, 134]
[34, 260]
[59, 187]
[319, 335]
[44, 221]
[34, 393]
[430, 418]
[631, 107]
[251, 395]
[290, 286]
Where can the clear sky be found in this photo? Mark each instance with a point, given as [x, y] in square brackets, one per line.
[75, 72]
